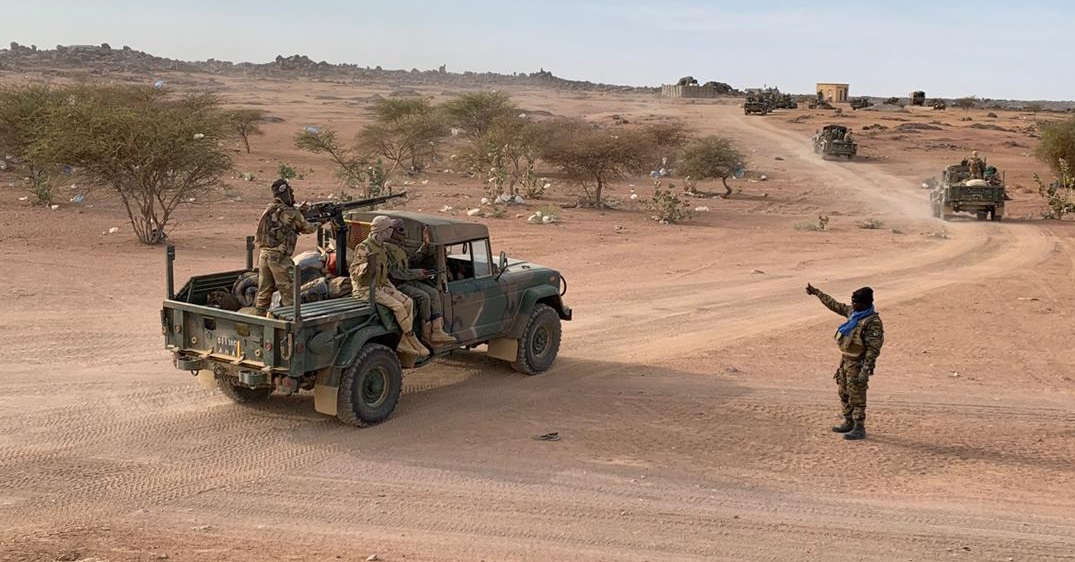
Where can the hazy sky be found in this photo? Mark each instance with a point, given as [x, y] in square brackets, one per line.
[997, 49]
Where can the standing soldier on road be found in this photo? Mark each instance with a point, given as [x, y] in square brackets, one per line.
[278, 230]
[860, 339]
[370, 263]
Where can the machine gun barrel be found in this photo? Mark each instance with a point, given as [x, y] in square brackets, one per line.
[326, 211]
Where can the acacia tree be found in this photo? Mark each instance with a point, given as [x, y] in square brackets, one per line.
[475, 112]
[246, 123]
[155, 151]
[711, 157]
[966, 103]
[506, 153]
[405, 131]
[592, 157]
[350, 167]
[23, 119]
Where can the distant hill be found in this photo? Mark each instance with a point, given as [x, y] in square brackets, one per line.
[103, 59]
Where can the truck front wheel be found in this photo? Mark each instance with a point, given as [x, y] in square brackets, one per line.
[370, 387]
[540, 342]
[243, 394]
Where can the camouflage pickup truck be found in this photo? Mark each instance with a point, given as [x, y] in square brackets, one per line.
[834, 140]
[959, 192]
[343, 349]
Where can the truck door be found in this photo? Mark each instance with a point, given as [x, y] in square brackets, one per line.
[477, 306]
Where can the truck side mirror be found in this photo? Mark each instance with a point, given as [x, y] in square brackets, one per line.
[502, 262]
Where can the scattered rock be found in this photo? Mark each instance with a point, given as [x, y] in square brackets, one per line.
[485, 200]
[112, 230]
[447, 209]
[757, 272]
[778, 158]
[372, 558]
[54, 207]
[991, 114]
[763, 178]
[24, 198]
[474, 212]
[199, 136]
[702, 209]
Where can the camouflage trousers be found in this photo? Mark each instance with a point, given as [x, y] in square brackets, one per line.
[401, 305]
[426, 298]
[852, 389]
[275, 271]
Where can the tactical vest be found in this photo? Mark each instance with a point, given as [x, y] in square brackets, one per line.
[272, 234]
[853, 345]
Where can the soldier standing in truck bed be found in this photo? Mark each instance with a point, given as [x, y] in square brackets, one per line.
[278, 230]
[860, 339]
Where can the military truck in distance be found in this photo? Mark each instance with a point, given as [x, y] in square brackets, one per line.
[343, 350]
[755, 106]
[918, 98]
[832, 140]
[958, 192]
[860, 103]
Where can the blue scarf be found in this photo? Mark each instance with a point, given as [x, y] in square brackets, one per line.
[853, 321]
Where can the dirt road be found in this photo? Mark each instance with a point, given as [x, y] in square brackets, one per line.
[693, 396]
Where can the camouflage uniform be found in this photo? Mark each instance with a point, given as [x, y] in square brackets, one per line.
[859, 352]
[278, 230]
[409, 281]
[370, 263]
[976, 166]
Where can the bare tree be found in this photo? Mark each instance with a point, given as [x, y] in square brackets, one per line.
[593, 156]
[246, 123]
[350, 168]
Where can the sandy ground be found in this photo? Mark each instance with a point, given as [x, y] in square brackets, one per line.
[693, 392]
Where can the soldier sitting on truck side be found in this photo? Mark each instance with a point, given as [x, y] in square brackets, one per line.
[369, 265]
[411, 282]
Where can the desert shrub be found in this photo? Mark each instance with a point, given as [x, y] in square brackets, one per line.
[666, 206]
[1059, 195]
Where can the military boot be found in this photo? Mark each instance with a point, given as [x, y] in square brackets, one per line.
[427, 328]
[410, 345]
[859, 432]
[848, 425]
[437, 334]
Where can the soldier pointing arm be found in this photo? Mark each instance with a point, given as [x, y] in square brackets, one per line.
[860, 339]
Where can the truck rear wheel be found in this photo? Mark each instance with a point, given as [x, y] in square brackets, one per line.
[243, 394]
[982, 215]
[996, 215]
[370, 387]
[540, 342]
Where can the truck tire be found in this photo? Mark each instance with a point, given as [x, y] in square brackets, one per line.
[540, 342]
[982, 215]
[243, 394]
[370, 387]
[996, 215]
